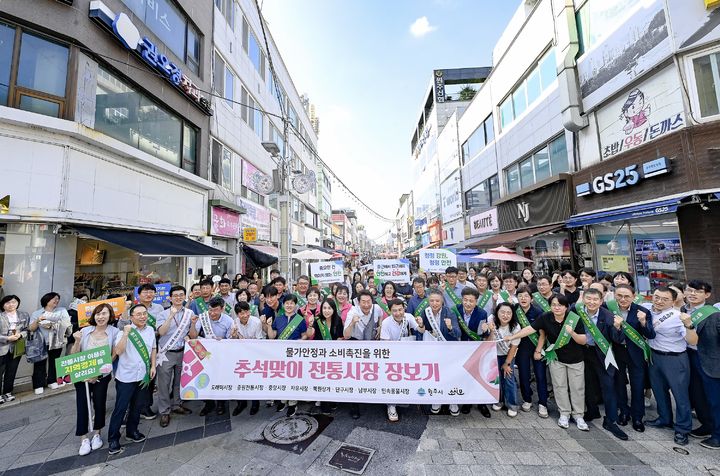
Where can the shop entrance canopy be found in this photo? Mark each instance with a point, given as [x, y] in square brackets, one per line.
[151, 244]
[511, 237]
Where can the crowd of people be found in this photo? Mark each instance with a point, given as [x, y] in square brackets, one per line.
[599, 341]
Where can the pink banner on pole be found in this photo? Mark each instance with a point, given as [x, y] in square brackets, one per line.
[224, 222]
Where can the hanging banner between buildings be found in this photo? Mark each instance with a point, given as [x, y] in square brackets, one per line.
[436, 261]
[327, 271]
[341, 371]
[395, 270]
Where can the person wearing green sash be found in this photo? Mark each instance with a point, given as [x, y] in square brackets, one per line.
[565, 338]
[702, 327]
[290, 325]
[601, 329]
[246, 326]
[311, 309]
[225, 289]
[696, 294]
[214, 324]
[201, 304]
[243, 295]
[302, 286]
[342, 299]
[418, 296]
[146, 297]
[136, 351]
[527, 312]
[631, 356]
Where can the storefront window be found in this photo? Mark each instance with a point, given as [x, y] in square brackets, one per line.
[7, 39]
[649, 250]
[550, 252]
[103, 268]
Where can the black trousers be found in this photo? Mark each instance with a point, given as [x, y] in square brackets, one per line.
[98, 397]
[8, 370]
[44, 371]
[637, 371]
[598, 378]
[698, 398]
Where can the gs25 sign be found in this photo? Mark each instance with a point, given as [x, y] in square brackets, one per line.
[621, 178]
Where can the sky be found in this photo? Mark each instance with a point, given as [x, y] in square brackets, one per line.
[366, 65]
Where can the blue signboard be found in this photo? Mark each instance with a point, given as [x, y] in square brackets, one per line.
[162, 293]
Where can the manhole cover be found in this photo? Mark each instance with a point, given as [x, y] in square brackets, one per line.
[351, 458]
[294, 429]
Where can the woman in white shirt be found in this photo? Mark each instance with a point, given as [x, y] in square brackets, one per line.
[505, 324]
[98, 334]
[53, 322]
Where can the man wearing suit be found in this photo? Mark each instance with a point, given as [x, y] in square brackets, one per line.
[595, 370]
[476, 321]
[438, 323]
[630, 357]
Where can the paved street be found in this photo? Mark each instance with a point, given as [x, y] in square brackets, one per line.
[37, 437]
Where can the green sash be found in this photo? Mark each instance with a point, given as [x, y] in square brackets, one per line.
[598, 337]
[324, 331]
[484, 299]
[383, 306]
[201, 304]
[703, 313]
[421, 308]
[506, 296]
[152, 321]
[630, 331]
[524, 322]
[541, 301]
[550, 352]
[639, 299]
[325, 292]
[302, 302]
[253, 309]
[137, 341]
[461, 320]
[290, 328]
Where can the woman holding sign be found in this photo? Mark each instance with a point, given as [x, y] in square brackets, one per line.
[98, 334]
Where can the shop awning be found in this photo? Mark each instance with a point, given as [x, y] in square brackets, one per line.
[511, 237]
[649, 209]
[261, 256]
[426, 247]
[151, 244]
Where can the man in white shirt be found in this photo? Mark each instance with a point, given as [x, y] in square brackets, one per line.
[670, 368]
[362, 323]
[136, 351]
[214, 324]
[173, 326]
[246, 326]
[462, 279]
[146, 297]
[225, 288]
[397, 327]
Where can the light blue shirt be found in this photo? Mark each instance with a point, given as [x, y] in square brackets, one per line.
[594, 319]
[669, 330]
[131, 367]
[177, 319]
[222, 328]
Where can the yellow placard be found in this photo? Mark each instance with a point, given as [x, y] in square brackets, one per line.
[249, 234]
[5, 205]
[85, 310]
[614, 263]
[711, 4]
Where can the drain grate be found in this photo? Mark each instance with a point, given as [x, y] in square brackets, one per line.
[351, 458]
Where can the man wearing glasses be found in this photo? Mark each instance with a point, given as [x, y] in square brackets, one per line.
[670, 368]
[630, 357]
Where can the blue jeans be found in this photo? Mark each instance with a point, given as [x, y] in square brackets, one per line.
[712, 391]
[672, 373]
[130, 398]
[525, 362]
[508, 386]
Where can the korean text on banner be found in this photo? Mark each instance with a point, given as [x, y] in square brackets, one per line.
[327, 272]
[394, 270]
[341, 371]
[85, 310]
[436, 261]
[162, 293]
[85, 365]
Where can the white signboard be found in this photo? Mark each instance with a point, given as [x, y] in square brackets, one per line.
[327, 272]
[436, 261]
[255, 216]
[485, 222]
[644, 113]
[450, 194]
[693, 24]
[340, 371]
[453, 232]
[640, 44]
[391, 270]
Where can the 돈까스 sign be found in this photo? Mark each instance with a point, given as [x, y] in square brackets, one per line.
[395, 270]
[327, 272]
[436, 261]
[340, 371]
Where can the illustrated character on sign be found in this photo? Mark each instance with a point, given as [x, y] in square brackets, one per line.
[634, 111]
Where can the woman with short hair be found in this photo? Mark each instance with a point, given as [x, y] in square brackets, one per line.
[13, 328]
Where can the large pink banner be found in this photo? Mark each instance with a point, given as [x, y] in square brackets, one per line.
[224, 222]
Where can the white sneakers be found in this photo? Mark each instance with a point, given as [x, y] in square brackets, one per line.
[564, 422]
[435, 409]
[512, 413]
[392, 413]
[497, 407]
[542, 411]
[581, 425]
[39, 391]
[53, 386]
[454, 410]
[526, 406]
[96, 442]
[85, 448]
[8, 397]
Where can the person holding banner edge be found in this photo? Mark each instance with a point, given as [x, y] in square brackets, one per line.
[136, 349]
[146, 297]
[564, 355]
[527, 312]
[214, 324]
[98, 333]
[246, 326]
[173, 326]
